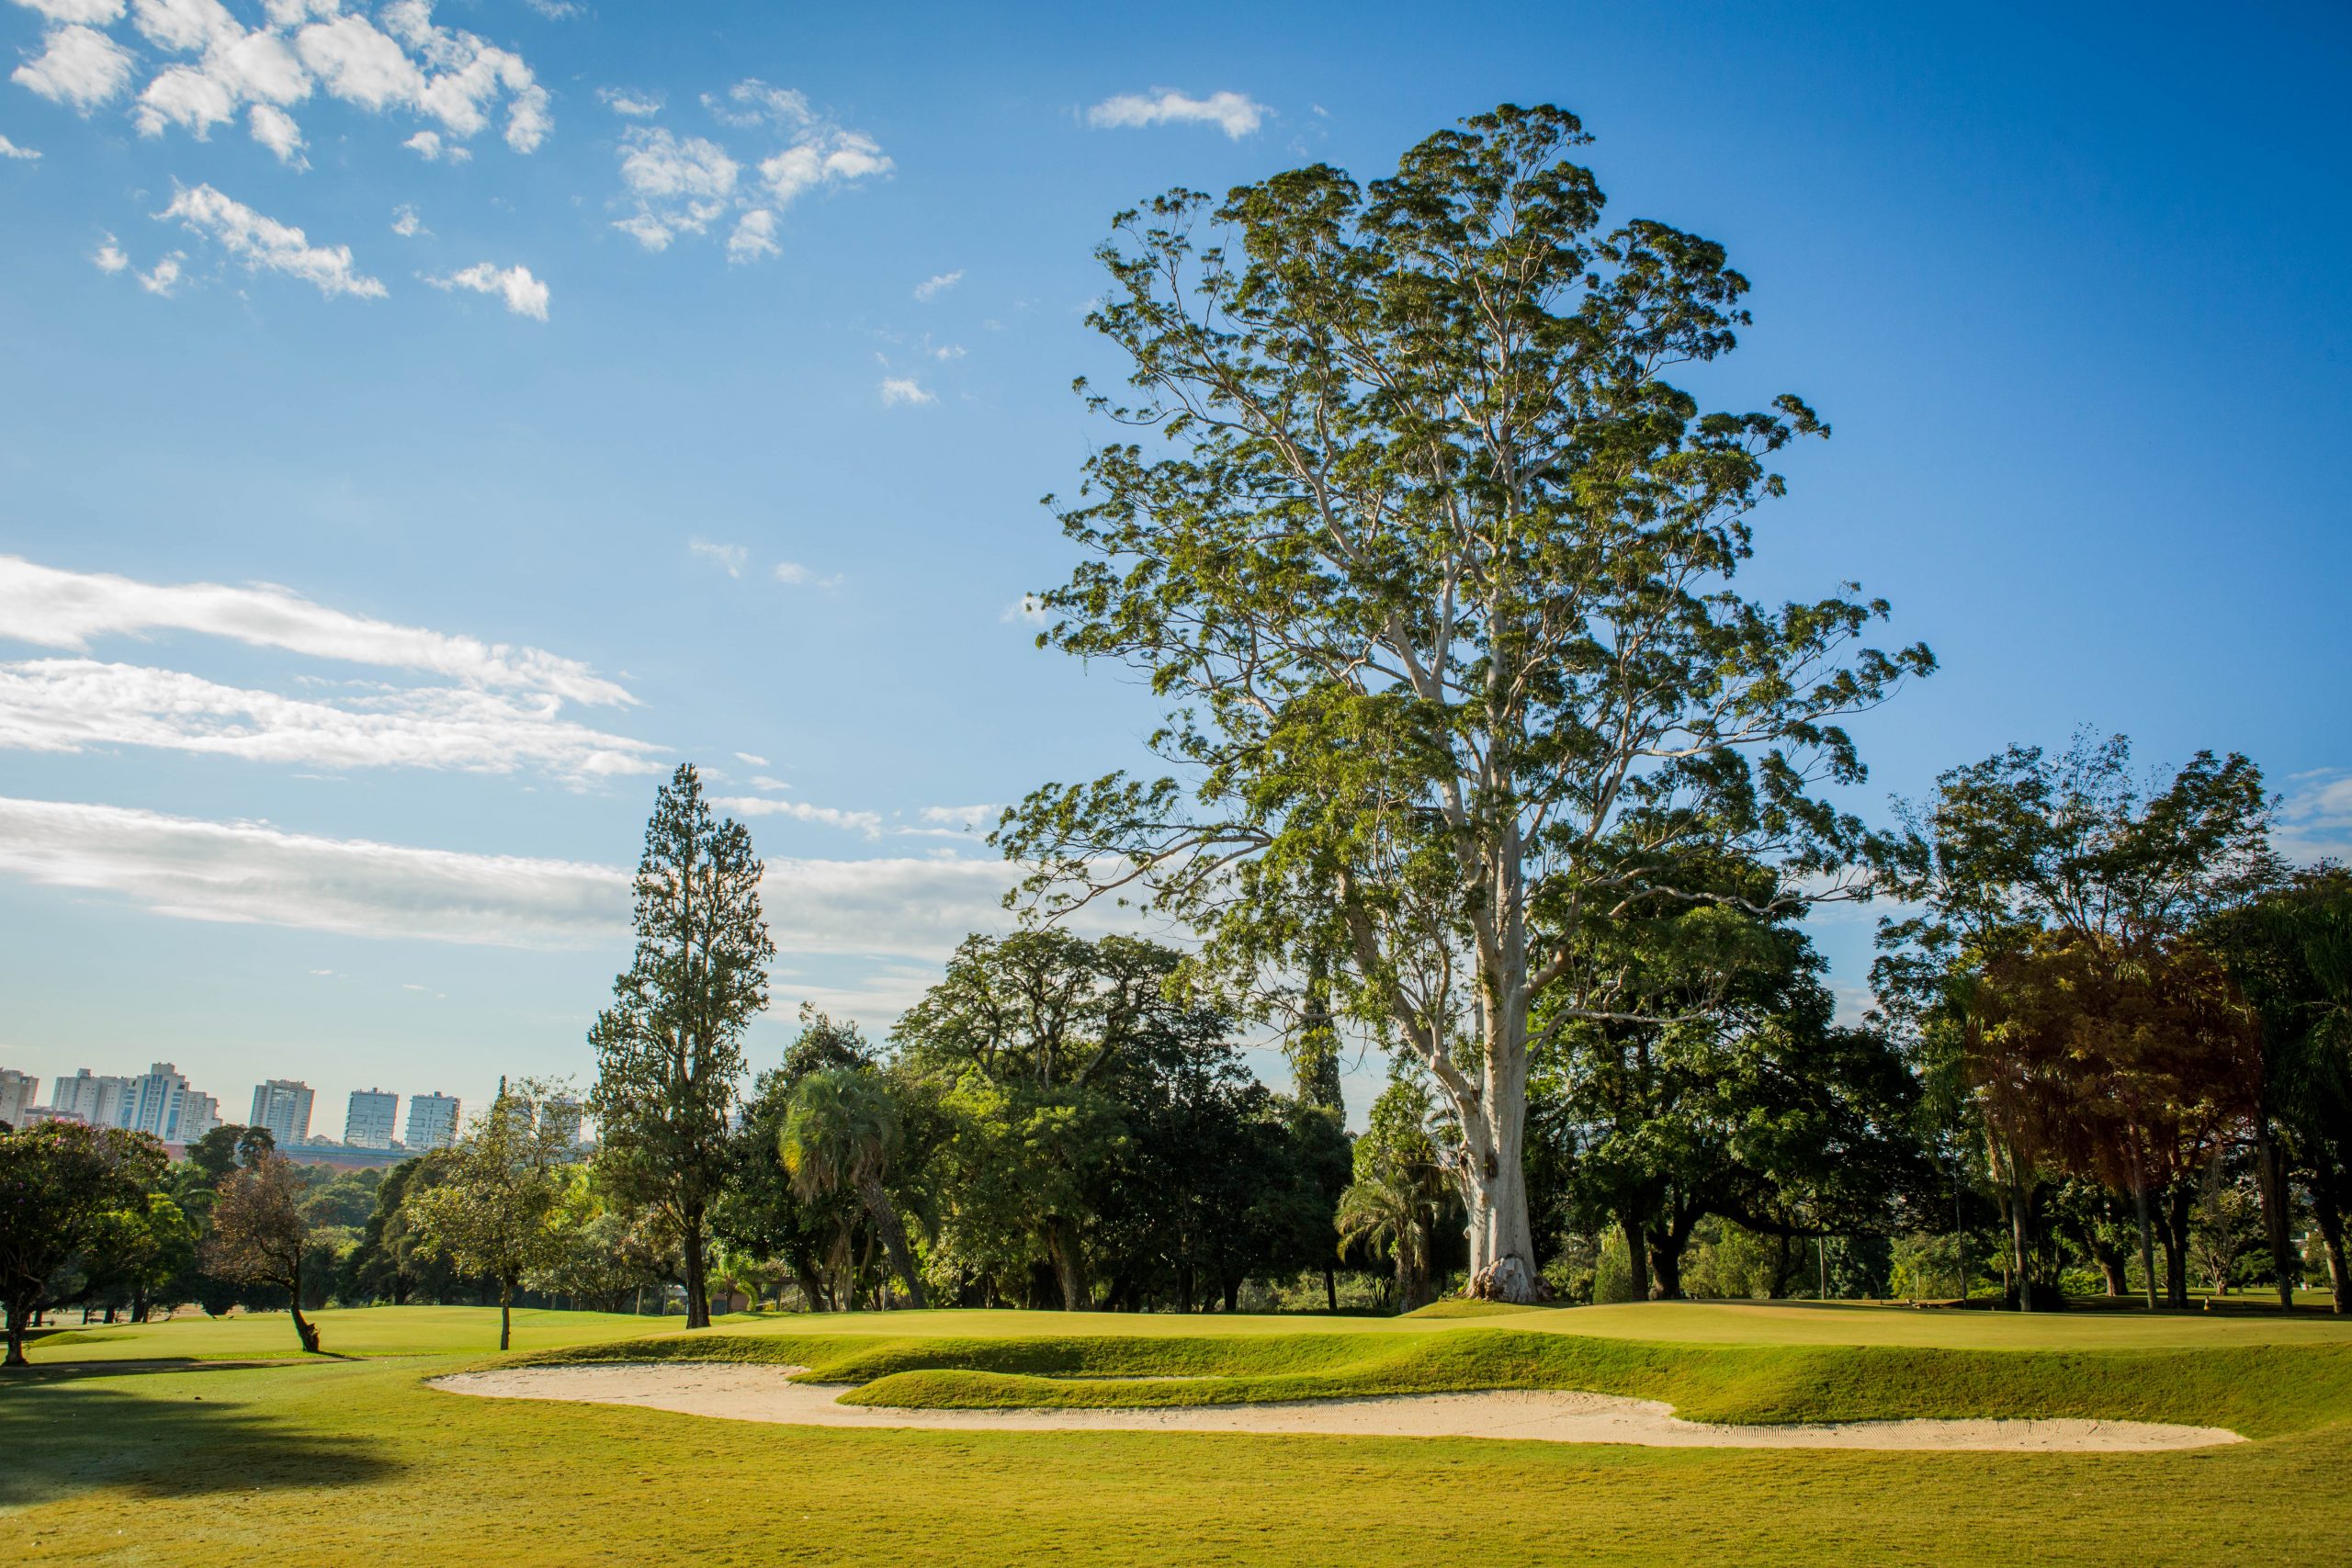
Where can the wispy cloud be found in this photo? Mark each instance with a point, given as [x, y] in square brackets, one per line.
[20, 155]
[1232, 113]
[2315, 817]
[52, 608]
[74, 705]
[866, 822]
[904, 908]
[931, 288]
[1028, 608]
[682, 184]
[406, 223]
[525, 295]
[792, 574]
[629, 102]
[266, 246]
[729, 559]
[899, 390]
[749, 760]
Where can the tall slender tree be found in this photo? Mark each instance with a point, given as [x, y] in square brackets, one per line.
[1433, 570]
[669, 1050]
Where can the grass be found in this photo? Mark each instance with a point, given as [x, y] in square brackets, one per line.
[354, 1331]
[188, 1464]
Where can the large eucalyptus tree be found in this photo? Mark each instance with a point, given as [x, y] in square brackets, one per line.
[1431, 563]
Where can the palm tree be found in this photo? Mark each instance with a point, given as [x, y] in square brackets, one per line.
[841, 1133]
[1392, 1210]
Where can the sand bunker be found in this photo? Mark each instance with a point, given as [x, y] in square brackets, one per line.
[740, 1393]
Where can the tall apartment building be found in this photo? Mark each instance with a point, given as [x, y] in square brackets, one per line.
[155, 1101]
[283, 1106]
[17, 1092]
[199, 1113]
[373, 1114]
[432, 1120]
[99, 1101]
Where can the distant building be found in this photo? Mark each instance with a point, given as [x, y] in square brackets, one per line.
[561, 1116]
[17, 1092]
[282, 1106]
[153, 1102]
[98, 1101]
[199, 1113]
[373, 1116]
[432, 1120]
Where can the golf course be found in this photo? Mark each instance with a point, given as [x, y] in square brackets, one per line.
[177, 1442]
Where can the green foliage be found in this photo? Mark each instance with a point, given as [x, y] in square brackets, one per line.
[1432, 565]
[498, 1209]
[260, 1236]
[64, 1190]
[669, 1050]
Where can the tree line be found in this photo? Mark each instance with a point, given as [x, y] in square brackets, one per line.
[1479, 757]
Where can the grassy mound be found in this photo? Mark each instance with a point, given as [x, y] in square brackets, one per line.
[2259, 1391]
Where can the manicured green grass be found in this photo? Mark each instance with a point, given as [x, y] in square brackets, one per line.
[359, 1462]
[356, 1331]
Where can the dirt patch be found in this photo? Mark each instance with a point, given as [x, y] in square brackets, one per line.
[740, 1393]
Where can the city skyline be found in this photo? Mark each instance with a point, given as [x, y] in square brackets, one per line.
[164, 1101]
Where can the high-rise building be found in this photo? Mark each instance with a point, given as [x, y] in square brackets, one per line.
[374, 1113]
[154, 1101]
[98, 1101]
[17, 1092]
[432, 1120]
[199, 1113]
[283, 1106]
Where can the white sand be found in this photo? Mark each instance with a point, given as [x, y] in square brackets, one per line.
[740, 1393]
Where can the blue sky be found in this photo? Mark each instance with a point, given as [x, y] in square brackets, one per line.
[649, 383]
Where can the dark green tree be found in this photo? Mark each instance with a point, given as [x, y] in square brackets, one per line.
[1431, 563]
[669, 1050]
[260, 1236]
[60, 1184]
[841, 1134]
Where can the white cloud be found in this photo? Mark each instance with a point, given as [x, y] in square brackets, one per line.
[525, 295]
[72, 705]
[1028, 607]
[761, 780]
[52, 608]
[554, 10]
[911, 909]
[163, 278]
[932, 288]
[10, 150]
[80, 67]
[428, 145]
[629, 102]
[107, 258]
[680, 183]
[683, 185]
[792, 574]
[275, 129]
[866, 822]
[2315, 817]
[98, 13]
[965, 817]
[266, 243]
[252, 872]
[753, 238]
[406, 223]
[897, 390]
[749, 760]
[1231, 112]
[729, 559]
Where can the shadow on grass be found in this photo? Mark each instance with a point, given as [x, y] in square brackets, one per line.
[63, 1438]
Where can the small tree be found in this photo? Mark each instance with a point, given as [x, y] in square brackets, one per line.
[669, 1050]
[841, 1134]
[60, 1185]
[498, 1209]
[260, 1236]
